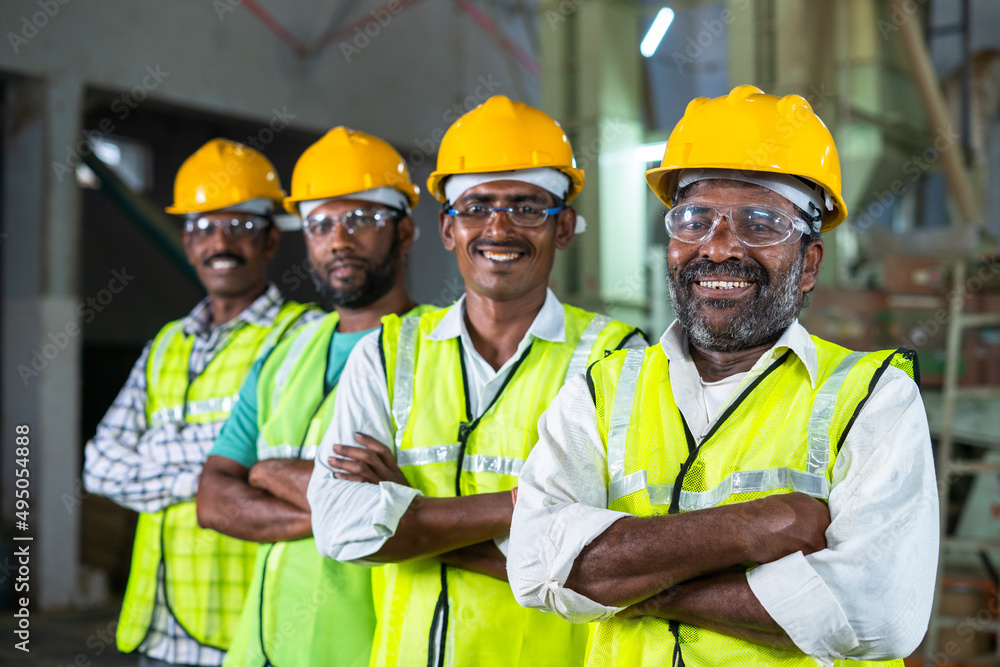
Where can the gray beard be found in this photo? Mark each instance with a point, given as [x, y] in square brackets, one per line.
[756, 323]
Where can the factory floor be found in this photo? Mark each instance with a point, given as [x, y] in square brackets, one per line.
[65, 639]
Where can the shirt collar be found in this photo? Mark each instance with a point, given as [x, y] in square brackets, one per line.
[549, 324]
[674, 342]
[262, 312]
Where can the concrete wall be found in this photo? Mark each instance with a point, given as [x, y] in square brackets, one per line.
[216, 56]
[173, 74]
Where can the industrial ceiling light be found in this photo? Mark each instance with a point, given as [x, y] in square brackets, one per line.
[651, 152]
[656, 32]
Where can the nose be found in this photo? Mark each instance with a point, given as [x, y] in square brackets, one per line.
[340, 238]
[721, 243]
[216, 240]
[499, 225]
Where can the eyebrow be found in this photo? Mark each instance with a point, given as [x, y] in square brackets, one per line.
[481, 198]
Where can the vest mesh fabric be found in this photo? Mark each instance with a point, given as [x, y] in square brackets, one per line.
[436, 614]
[205, 574]
[738, 461]
[302, 608]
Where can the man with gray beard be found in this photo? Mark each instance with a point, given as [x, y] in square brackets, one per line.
[742, 493]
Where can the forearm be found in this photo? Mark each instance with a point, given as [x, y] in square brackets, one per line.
[286, 479]
[229, 505]
[432, 526]
[636, 558]
[722, 603]
[483, 558]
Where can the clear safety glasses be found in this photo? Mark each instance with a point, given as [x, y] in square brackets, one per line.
[522, 215]
[358, 221]
[234, 226]
[754, 225]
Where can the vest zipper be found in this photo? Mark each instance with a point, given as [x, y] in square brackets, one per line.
[465, 429]
[693, 449]
[435, 650]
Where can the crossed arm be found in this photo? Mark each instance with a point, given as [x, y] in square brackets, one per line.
[865, 596]
[457, 531]
[265, 503]
[675, 567]
[363, 507]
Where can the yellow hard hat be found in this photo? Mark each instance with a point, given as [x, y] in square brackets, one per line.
[500, 135]
[223, 173]
[749, 130]
[346, 161]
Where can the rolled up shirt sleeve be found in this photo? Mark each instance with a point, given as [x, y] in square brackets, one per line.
[561, 507]
[352, 520]
[868, 594]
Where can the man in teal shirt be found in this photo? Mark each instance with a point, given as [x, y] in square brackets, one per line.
[304, 609]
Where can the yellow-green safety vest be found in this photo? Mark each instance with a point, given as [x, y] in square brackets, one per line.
[656, 467]
[302, 608]
[437, 615]
[205, 574]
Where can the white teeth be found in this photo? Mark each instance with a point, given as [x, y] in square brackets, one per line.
[224, 263]
[501, 256]
[723, 284]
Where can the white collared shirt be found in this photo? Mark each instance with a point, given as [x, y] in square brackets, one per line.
[352, 520]
[866, 596]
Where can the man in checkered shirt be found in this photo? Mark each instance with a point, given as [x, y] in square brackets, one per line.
[186, 585]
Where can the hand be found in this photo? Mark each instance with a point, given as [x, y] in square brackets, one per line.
[783, 524]
[372, 462]
[643, 608]
[513, 497]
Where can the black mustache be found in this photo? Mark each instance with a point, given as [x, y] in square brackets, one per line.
[749, 271]
[226, 255]
[513, 244]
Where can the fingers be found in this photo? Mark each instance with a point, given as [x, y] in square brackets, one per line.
[373, 445]
[632, 611]
[384, 461]
[371, 462]
[350, 469]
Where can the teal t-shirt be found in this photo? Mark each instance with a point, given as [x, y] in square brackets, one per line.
[238, 438]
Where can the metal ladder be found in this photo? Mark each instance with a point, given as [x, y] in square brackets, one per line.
[949, 468]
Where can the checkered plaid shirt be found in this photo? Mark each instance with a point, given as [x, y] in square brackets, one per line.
[149, 469]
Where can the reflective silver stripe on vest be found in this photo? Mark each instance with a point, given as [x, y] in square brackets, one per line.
[501, 465]
[423, 456]
[581, 353]
[294, 353]
[744, 481]
[194, 409]
[402, 397]
[621, 413]
[157, 361]
[818, 430]
[812, 481]
[287, 452]
[619, 488]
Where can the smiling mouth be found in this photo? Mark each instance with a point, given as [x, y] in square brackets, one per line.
[223, 264]
[724, 284]
[501, 256]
